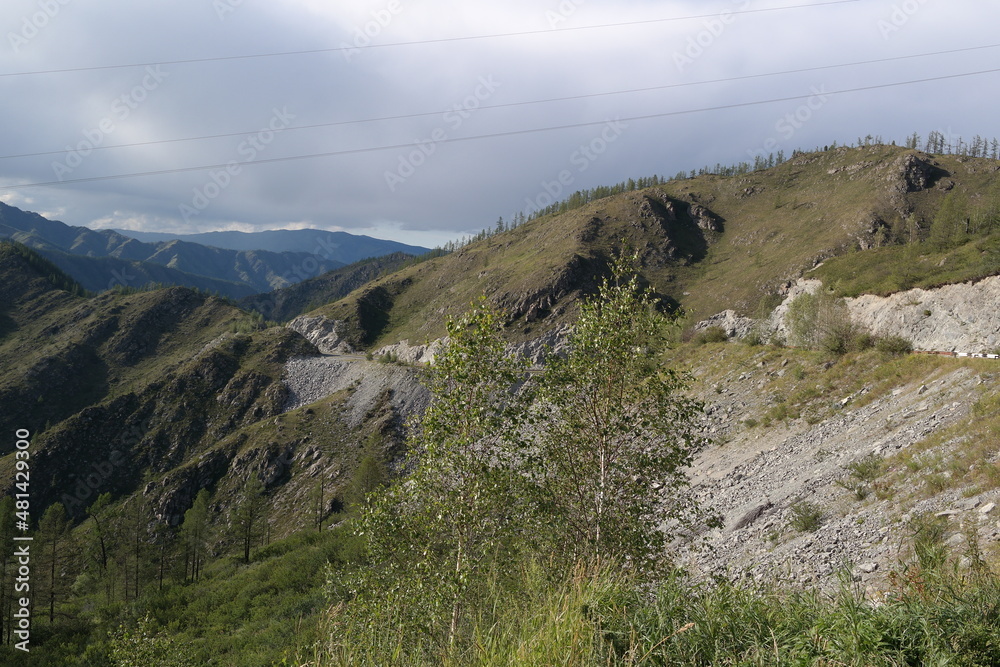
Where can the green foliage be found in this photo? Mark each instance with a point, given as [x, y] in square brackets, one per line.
[929, 533]
[861, 474]
[615, 430]
[894, 345]
[713, 334]
[583, 197]
[146, 646]
[56, 276]
[866, 469]
[54, 543]
[370, 475]
[607, 617]
[820, 321]
[817, 320]
[806, 517]
[950, 226]
[845, 336]
[582, 463]
[249, 517]
[195, 536]
[457, 515]
[253, 321]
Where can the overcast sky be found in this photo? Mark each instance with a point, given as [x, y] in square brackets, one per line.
[463, 120]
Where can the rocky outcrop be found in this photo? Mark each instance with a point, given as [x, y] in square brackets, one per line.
[552, 342]
[952, 318]
[575, 277]
[735, 325]
[410, 354]
[705, 219]
[915, 173]
[310, 379]
[326, 334]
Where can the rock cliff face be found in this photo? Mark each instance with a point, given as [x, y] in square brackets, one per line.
[310, 379]
[325, 334]
[952, 318]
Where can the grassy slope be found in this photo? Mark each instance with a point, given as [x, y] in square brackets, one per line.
[778, 224]
[158, 377]
[284, 304]
[275, 607]
[900, 267]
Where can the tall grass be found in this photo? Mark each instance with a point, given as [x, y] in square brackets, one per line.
[604, 617]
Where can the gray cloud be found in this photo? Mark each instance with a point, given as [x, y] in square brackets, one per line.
[439, 184]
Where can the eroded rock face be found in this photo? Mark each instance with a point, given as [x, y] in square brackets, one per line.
[952, 318]
[576, 277]
[729, 321]
[411, 354]
[916, 173]
[552, 342]
[310, 379]
[705, 219]
[324, 333]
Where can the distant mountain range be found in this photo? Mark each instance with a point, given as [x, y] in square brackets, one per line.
[332, 246]
[235, 265]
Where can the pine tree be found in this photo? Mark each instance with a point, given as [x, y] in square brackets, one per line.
[950, 225]
[7, 567]
[98, 549]
[54, 544]
[250, 516]
[194, 535]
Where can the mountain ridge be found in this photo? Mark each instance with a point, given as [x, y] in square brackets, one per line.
[707, 244]
[338, 246]
[154, 396]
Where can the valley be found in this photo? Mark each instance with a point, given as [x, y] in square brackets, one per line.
[239, 444]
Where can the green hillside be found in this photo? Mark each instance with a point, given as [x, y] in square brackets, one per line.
[706, 243]
[283, 304]
[212, 511]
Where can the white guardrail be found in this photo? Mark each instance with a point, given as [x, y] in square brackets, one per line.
[976, 355]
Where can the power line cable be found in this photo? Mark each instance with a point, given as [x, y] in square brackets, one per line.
[524, 103]
[511, 133]
[441, 40]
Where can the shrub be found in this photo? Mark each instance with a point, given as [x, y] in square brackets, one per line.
[894, 345]
[714, 334]
[928, 540]
[806, 517]
[844, 337]
[867, 468]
